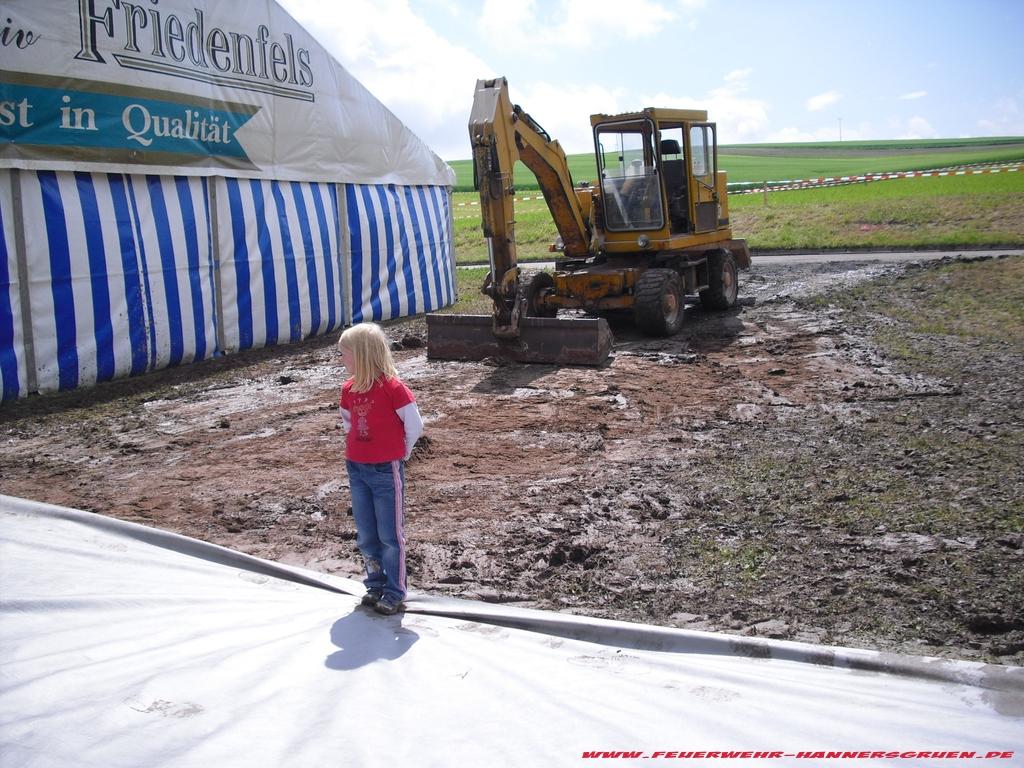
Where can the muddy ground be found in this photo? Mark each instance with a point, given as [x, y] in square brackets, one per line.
[767, 472]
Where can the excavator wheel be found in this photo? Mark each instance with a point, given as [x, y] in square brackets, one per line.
[658, 303]
[538, 285]
[723, 284]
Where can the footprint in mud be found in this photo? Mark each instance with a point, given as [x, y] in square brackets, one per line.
[278, 584]
[419, 627]
[113, 546]
[487, 630]
[164, 708]
[617, 663]
[709, 693]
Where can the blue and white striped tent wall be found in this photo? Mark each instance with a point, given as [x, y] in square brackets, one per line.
[401, 247]
[12, 364]
[281, 268]
[119, 272]
[397, 256]
[125, 274]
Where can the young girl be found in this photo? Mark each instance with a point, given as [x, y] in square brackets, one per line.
[382, 423]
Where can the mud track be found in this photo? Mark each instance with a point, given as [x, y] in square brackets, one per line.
[761, 473]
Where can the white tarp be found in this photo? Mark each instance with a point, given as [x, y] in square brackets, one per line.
[194, 87]
[127, 646]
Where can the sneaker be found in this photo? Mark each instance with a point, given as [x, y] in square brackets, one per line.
[372, 597]
[387, 607]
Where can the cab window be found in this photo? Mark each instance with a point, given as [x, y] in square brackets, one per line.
[699, 154]
[630, 187]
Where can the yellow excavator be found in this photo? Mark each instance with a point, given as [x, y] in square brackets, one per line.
[651, 231]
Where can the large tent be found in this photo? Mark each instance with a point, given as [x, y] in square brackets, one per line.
[192, 178]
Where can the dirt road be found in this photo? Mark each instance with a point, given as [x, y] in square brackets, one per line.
[767, 472]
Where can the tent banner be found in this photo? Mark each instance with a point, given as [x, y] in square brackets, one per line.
[192, 87]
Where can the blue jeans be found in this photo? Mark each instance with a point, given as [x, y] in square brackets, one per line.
[378, 506]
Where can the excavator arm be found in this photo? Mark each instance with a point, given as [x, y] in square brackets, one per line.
[501, 133]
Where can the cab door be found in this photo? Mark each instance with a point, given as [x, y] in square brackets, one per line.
[702, 150]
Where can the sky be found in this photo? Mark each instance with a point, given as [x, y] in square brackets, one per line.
[765, 70]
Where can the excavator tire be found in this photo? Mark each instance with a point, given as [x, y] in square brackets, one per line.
[658, 302]
[535, 288]
[723, 283]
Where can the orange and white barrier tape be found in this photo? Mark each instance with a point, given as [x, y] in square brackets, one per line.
[790, 184]
[831, 181]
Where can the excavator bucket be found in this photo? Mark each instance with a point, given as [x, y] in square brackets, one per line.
[563, 341]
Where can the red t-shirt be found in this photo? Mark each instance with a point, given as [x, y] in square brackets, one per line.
[377, 434]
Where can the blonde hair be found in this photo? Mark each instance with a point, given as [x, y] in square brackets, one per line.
[371, 355]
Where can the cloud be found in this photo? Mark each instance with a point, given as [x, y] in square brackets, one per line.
[822, 100]
[913, 95]
[1006, 119]
[451, 7]
[564, 110]
[690, 15]
[740, 118]
[738, 75]
[791, 134]
[424, 79]
[822, 133]
[919, 128]
[569, 24]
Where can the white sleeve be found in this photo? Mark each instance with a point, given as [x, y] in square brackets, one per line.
[410, 416]
[346, 420]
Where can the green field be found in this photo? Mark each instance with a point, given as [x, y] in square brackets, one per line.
[941, 211]
[776, 162]
[581, 168]
[928, 212]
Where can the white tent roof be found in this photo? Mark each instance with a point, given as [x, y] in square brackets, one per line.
[128, 646]
[198, 87]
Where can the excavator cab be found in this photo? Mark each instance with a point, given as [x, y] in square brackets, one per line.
[651, 233]
[658, 172]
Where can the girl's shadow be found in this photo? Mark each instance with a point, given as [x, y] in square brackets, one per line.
[364, 637]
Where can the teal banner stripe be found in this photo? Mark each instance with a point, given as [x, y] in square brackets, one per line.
[60, 117]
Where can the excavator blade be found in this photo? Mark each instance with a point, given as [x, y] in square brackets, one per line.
[563, 341]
